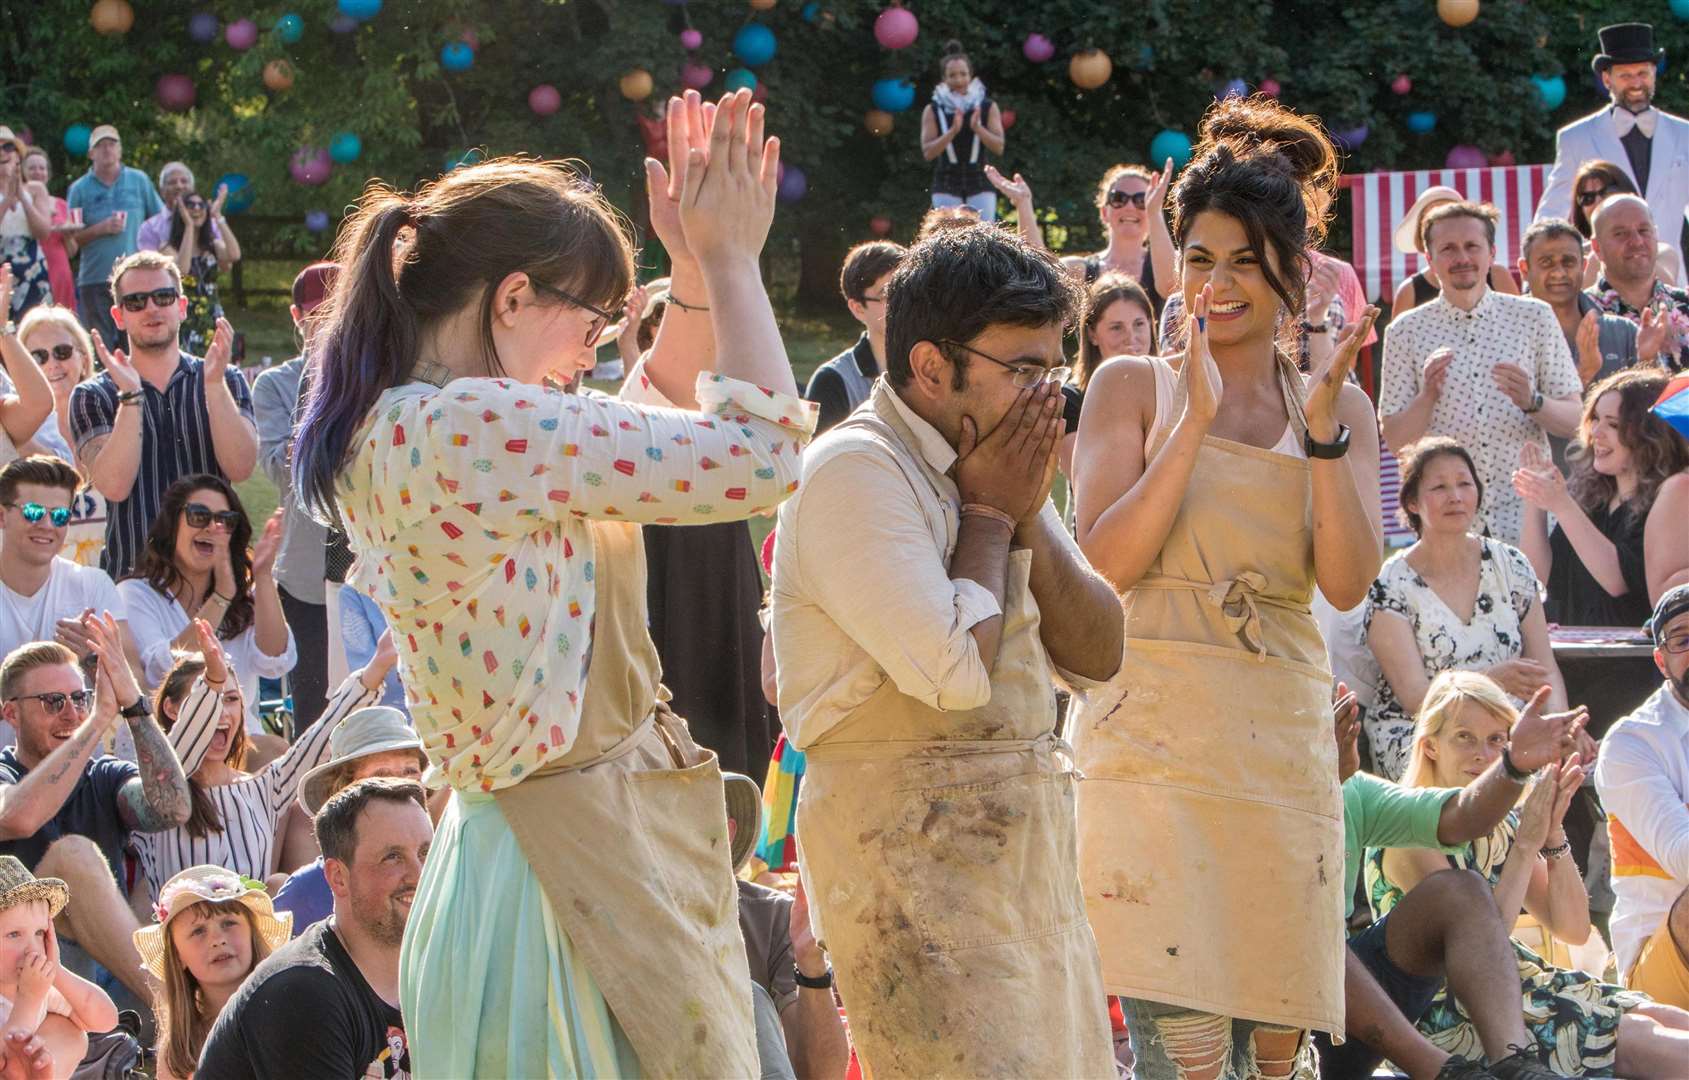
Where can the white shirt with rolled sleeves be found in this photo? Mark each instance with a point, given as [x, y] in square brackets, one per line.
[862, 590]
[1643, 778]
[1472, 409]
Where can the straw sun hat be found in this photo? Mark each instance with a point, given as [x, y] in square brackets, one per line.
[19, 886]
[208, 883]
[374, 729]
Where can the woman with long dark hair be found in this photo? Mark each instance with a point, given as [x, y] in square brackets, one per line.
[203, 246]
[1215, 490]
[495, 519]
[197, 565]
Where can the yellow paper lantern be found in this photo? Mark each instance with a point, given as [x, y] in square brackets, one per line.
[762, 5]
[112, 17]
[878, 122]
[636, 85]
[1457, 12]
[278, 75]
[1090, 68]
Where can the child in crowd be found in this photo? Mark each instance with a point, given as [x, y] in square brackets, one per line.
[214, 926]
[37, 996]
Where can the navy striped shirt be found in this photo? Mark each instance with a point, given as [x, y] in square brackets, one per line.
[175, 442]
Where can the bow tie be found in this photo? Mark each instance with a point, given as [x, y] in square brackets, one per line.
[1624, 120]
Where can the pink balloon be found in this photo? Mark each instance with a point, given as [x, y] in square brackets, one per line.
[1401, 85]
[1037, 48]
[242, 34]
[896, 28]
[690, 38]
[544, 99]
[880, 225]
[696, 75]
[310, 166]
[1466, 157]
[1269, 87]
[1503, 158]
[175, 92]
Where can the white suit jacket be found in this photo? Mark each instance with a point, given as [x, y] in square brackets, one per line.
[1594, 138]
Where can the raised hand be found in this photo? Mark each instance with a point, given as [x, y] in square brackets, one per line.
[106, 641]
[1538, 740]
[975, 121]
[1325, 386]
[217, 356]
[117, 365]
[955, 125]
[216, 664]
[687, 119]
[6, 291]
[1653, 337]
[1323, 283]
[1156, 197]
[1017, 191]
[386, 656]
[1346, 715]
[1009, 468]
[1436, 370]
[1589, 346]
[268, 546]
[217, 203]
[728, 201]
[1199, 372]
[1538, 482]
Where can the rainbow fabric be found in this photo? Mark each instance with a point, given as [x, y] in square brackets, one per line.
[1673, 406]
[778, 850]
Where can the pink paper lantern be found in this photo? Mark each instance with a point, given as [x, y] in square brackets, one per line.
[175, 92]
[695, 75]
[242, 34]
[1401, 86]
[1466, 157]
[1008, 118]
[1505, 158]
[310, 165]
[896, 28]
[880, 225]
[544, 99]
[690, 38]
[1037, 48]
[1269, 87]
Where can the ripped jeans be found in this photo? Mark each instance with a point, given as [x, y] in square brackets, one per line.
[1175, 1043]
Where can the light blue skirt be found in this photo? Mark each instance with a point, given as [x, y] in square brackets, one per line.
[489, 983]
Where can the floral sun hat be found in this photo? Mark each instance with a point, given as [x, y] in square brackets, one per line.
[213, 883]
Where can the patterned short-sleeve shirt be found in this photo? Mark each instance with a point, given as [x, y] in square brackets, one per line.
[1472, 409]
[467, 506]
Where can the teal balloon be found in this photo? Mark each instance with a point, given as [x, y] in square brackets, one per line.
[1171, 143]
[1552, 89]
[457, 56]
[1422, 122]
[894, 95]
[290, 28]
[740, 79]
[345, 147]
[76, 139]
[360, 9]
[754, 44]
[1680, 9]
[241, 192]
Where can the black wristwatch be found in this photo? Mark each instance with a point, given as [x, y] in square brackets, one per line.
[1328, 451]
[1536, 404]
[823, 982]
[1513, 772]
[136, 710]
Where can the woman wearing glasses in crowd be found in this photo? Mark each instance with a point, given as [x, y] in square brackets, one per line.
[196, 566]
[25, 400]
[201, 252]
[1129, 206]
[64, 353]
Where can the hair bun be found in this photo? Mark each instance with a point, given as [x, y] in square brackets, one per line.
[1260, 127]
[951, 48]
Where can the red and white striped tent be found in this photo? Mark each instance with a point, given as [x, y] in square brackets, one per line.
[1380, 201]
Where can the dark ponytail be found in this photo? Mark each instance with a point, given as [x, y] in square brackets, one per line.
[953, 51]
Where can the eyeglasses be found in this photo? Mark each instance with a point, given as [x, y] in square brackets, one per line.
[61, 353]
[1590, 198]
[1117, 199]
[603, 318]
[137, 301]
[1025, 375]
[33, 512]
[195, 203]
[54, 703]
[198, 516]
[1676, 643]
[8, 148]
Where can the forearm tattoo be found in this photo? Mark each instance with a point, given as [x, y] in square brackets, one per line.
[161, 799]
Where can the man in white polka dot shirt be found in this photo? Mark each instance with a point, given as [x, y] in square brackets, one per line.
[1489, 370]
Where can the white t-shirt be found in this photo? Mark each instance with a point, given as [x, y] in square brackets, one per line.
[155, 619]
[70, 590]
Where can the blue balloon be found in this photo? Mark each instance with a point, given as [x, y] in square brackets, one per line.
[1680, 8]
[241, 192]
[1146, 59]
[1422, 122]
[76, 139]
[1350, 138]
[316, 220]
[894, 95]
[457, 56]
[360, 9]
[1171, 143]
[754, 44]
[203, 27]
[793, 186]
[1235, 88]
[1552, 89]
[345, 147]
[290, 28]
[740, 79]
[812, 10]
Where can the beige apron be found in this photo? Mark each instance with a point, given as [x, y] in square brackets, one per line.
[1210, 823]
[939, 857]
[628, 838]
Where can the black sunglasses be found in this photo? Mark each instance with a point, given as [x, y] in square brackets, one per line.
[604, 318]
[195, 203]
[198, 516]
[54, 703]
[33, 512]
[137, 301]
[1117, 199]
[61, 353]
[1590, 198]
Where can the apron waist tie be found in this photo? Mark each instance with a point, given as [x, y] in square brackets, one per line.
[1049, 743]
[1237, 600]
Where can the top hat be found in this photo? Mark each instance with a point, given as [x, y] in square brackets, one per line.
[1626, 43]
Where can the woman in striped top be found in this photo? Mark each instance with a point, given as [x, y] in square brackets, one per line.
[236, 813]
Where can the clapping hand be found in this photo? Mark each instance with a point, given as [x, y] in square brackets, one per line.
[1017, 191]
[1515, 382]
[386, 655]
[268, 546]
[1436, 370]
[216, 664]
[1327, 385]
[1156, 197]
[1199, 372]
[1323, 283]
[6, 291]
[1654, 337]
[1545, 807]
[1589, 346]
[217, 356]
[70, 632]
[688, 119]
[975, 121]
[117, 365]
[1346, 714]
[217, 203]
[1538, 482]
[727, 203]
[1540, 739]
[106, 641]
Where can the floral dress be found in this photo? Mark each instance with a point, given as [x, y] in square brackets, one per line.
[23, 253]
[199, 285]
[1507, 589]
[1572, 1015]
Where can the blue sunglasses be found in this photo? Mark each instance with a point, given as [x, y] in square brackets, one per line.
[33, 512]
